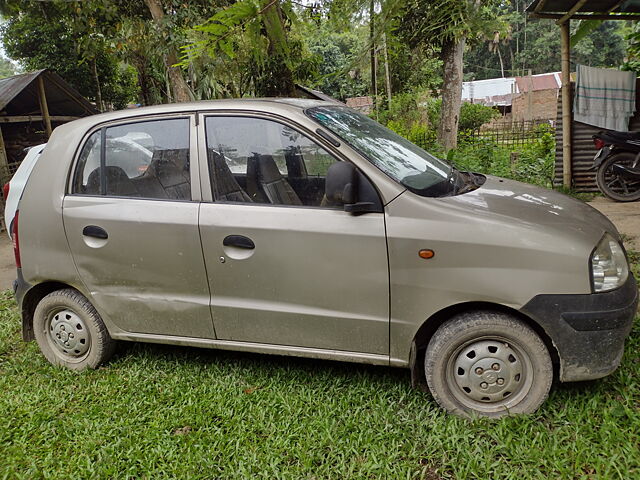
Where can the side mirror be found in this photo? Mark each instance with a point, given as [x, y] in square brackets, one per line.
[346, 186]
[341, 186]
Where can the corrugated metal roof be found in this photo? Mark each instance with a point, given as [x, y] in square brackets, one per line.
[544, 81]
[499, 91]
[359, 102]
[19, 96]
[590, 6]
[481, 89]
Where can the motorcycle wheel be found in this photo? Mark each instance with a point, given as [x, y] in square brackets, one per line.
[614, 186]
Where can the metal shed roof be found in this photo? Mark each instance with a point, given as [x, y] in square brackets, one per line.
[542, 81]
[585, 9]
[19, 96]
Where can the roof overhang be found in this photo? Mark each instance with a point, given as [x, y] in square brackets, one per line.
[563, 10]
[19, 96]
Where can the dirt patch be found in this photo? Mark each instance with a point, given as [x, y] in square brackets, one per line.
[625, 216]
[7, 262]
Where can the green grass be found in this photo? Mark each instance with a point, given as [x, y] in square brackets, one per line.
[165, 412]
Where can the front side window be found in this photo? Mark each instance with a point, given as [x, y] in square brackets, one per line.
[408, 164]
[147, 159]
[253, 160]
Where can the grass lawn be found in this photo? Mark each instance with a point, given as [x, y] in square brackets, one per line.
[168, 412]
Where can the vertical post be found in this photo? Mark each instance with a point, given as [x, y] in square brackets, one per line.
[4, 161]
[386, 69]
[44, 108]
[529, 99]
[374, 86]
[4, 172]
[566, 105]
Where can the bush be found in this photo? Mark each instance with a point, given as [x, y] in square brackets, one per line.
[533, 162]
[536, 159]
[404, 110]
[474, 115]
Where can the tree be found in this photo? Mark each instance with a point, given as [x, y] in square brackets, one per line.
[258, 36]
[179, 86]
[534, 44]
[53, 35]
[7, 69]
[341, 63]
[448, 25]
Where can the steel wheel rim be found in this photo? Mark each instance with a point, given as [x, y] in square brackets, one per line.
[489, 374]
[68, 335]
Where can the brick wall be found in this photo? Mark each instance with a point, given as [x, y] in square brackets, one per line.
[535, 105]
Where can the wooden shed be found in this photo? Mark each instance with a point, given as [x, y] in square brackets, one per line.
[31, 106]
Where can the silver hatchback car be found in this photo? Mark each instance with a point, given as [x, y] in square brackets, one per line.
[301, 227]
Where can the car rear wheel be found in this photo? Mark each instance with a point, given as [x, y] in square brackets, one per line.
[70, 332]
[488, 364]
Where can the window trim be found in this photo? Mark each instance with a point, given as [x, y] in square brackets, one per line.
[194, 174]
[205, 175]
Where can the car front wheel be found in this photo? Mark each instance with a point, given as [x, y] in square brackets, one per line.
[488, 364]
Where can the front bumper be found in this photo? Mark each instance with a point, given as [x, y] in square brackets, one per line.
[588, 330]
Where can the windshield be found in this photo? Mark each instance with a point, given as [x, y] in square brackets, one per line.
[408, 164]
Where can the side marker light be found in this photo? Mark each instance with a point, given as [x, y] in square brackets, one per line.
[426, 254]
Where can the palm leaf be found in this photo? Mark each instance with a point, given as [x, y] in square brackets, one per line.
[584, 29]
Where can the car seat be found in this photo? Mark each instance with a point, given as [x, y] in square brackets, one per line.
[224, 185]
[270, 186]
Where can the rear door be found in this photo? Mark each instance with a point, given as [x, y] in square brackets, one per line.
[284, 266]
[131, 219]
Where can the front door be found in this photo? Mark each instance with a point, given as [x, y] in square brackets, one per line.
[284, 266]
[132, 226]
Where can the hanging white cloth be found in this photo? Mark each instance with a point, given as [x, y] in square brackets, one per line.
[604, 97]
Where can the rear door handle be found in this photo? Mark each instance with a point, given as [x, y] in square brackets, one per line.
[239, 241]
[95, 231]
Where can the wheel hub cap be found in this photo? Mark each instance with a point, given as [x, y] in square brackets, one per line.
[488, 371]
[69, 333]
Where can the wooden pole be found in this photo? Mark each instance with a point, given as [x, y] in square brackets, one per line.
[4, 161]
[386, 69]
[540, 6]
[566, 104]
[565, 18]
[529, 99]
[5, 175]
[44, 108]
[374, 86]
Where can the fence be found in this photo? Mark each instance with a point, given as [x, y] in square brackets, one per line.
[504, 133]
[507, 133]
[7, 171]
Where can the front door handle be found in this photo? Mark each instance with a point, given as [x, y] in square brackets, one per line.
[95, 231]
[239, 241]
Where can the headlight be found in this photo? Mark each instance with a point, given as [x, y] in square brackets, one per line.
[608, 265]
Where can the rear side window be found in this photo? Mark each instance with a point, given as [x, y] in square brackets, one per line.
[143, 159]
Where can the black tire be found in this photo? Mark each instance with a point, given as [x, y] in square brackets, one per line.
[70, 332]
[611, 185]
[487, 364]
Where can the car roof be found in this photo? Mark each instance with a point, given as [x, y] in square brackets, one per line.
[271, 105]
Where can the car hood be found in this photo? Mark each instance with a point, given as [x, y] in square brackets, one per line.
[535, 207]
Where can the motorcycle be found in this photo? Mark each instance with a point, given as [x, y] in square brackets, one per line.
[618, 164]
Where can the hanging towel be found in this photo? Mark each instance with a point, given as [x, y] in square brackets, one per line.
[604, 97]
